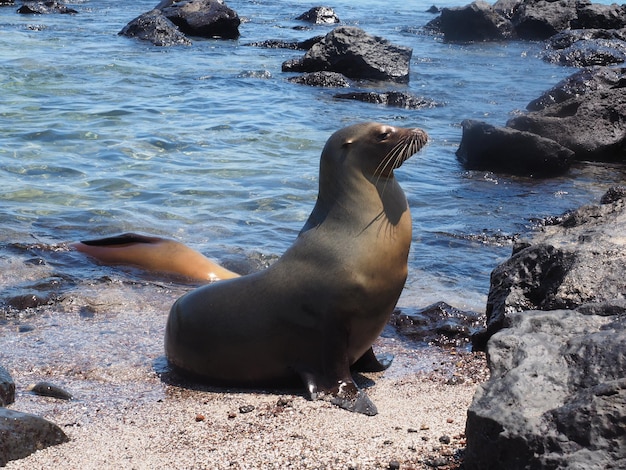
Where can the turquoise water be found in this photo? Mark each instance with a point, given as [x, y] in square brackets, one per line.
[210, 145]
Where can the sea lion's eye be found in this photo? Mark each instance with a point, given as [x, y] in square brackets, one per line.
[383, 136]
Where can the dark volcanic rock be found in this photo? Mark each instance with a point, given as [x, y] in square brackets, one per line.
[557, 394]
[502, 150]
[7, 388]
[584, 48]
[580, 260]
[613, 194]
[538, 20]
[319, 15]
[153, 26]
[478, 21]
[584, 81]
[593, 125]
[590, 16]
[46, 389]
[280, 44]
[397, 99]
[357, 55]
[323, 79]
[26, 301]
[21, 434]
[203, 18]
[43, 8]
[439, 324]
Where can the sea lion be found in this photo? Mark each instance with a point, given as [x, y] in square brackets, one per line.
[154, 254]
[317, 310]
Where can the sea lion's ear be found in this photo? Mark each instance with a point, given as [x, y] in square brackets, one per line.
[347, 143]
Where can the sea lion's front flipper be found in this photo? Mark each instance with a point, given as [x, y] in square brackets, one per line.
[350, 398]
[344, 394]
[330, 379]
[369, 362]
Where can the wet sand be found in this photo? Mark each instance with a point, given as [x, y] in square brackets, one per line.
[130, 411]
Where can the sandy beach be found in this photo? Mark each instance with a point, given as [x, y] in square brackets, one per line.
[130, 411]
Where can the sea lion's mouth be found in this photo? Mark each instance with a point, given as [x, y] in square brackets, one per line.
[408, 145]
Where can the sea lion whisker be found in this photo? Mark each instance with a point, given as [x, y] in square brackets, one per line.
[390, 158]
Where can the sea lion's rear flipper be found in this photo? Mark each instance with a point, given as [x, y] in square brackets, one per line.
[123, 239]
[369, 362]
[154, 254]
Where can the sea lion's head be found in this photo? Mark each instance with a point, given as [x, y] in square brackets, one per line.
[375, 149]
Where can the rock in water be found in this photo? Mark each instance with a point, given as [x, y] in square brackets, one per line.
[153, 26]
[577, 261]
[477, 21]
[319, 15]
[203, 18]
[357, 55]
[504, 150]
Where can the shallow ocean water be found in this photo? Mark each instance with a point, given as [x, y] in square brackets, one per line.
[211, 146]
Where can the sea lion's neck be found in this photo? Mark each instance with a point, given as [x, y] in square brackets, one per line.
[357, 199]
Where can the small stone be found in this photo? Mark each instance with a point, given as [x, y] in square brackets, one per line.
[444, 439]
[424, 427]
[46, 389]
[394, 465]
[246, 409]
[231, 415]
[200, 417]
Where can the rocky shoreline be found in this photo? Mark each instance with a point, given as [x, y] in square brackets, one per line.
[555, 393]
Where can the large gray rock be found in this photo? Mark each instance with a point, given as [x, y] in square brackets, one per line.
[398, 99]
[7, 387]
[587, 47]
[477, 21]
[504, 150]
[590, 16]
[556, 398]
[357, 55]
[21, 434]
[203, 18]
[153, 26]
[540, 19]
[323, 79]
[578, 261]
[587, 80]
[319, 15]
[592, 124]
[45, 8]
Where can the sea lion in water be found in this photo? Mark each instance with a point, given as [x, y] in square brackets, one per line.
[154, 254]
[317, 310]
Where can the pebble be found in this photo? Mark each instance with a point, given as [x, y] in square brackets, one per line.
[246, 409]
[394, 465]
[46, 389]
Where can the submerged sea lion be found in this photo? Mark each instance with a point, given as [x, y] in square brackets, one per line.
[316, 311]
[154, 254]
